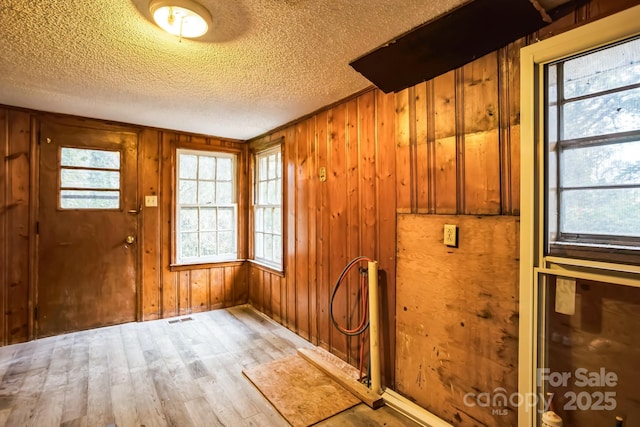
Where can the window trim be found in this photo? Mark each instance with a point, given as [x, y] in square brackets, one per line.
[235, 155]
[255, 150]
[533, 260]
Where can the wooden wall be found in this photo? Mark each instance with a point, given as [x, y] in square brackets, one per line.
[170, 291]
[457, 314]
[455, 143]
[16, 129]
[164, 291]
[329, 223]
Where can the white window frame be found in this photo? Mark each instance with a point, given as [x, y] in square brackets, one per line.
[203, 259]
[273, 262]
[534, 264]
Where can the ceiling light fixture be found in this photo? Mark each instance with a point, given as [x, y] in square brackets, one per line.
[182, 18]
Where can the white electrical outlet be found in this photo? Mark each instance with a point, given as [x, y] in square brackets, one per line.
[451, 235]
[150, 201]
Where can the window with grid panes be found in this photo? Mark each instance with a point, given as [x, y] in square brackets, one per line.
[206, 207]
[593, 148]
[268, 208]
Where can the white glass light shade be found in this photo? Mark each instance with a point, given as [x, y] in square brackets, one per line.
[184, 18]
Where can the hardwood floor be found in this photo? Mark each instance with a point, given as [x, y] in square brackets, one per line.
[158, 373]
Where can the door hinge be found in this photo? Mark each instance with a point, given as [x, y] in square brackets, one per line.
[35, 313]
[37, 227]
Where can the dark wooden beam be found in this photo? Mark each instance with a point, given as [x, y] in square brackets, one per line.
[448, 42]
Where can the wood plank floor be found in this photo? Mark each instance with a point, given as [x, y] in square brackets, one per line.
[157, 373]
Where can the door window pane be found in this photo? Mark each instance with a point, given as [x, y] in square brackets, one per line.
[89, 179]
[83, 199]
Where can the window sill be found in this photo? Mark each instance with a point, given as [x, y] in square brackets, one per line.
[199, 266]
[266, 267]
[613, 254]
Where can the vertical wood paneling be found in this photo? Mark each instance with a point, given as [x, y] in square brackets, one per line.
[445, 143]
[169, 291]
[199, 283]
[403, 152]
[149, 152]
[4, 179]
[17, 217]
[301, 236]
[354, 167]
[322, 221]
[216, 282]
[184, 292]
[229, 276]
[337, 183]
[421, 161]
[481, 150]
[312, 173]
[241, 285]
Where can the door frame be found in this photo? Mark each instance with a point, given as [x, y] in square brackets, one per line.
[34, 195]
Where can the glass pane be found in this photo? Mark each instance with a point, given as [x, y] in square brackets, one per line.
[99, 159]
[207, 167]
[259, 219]
[278, 199]
[279, 165]
[225, 169]
[268, 220]
[552, 84]
[609, 212]
[262, 193]
[271, 193]
[188, 165]
[272, 166]
[277, 249]
[552, 123]
[263, 168]
[268, 246]
[277, 221]
[225, 192]
[615, 67]
[207, 219]
[84, 178]
[589, 347]
[225, 243]
[189, 245]
[187, 192]
[613, 113]
[259, 245]
[208, 244]
[82, 199]
[188, 219]
[206, 192]
[615, 164]
[226, 219]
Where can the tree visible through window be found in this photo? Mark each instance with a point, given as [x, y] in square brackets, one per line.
[206, 209]
[268, 208]
[593, 139]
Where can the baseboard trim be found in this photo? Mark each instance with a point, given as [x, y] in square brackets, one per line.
[411, 410]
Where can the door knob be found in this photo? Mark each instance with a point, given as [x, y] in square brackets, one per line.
[130, 239]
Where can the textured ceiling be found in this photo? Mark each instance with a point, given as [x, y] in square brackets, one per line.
[264, 63]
